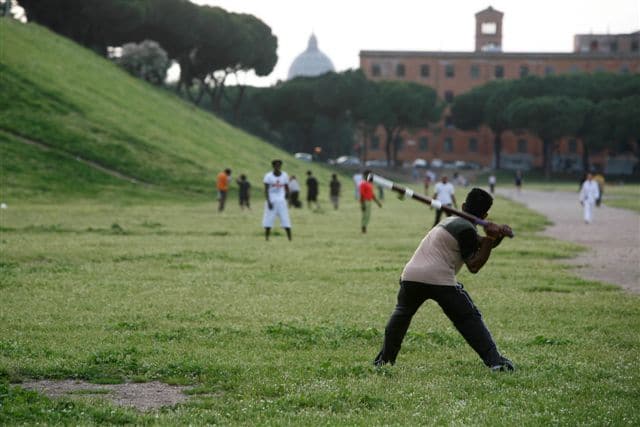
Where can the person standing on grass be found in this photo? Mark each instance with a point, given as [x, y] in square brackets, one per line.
[276, 191]
[222, 185]
[244, 188]
[492, 183]
[599, 179]
[589, 194]
[444, 192]
[367, 195]
[357, 179]
[312, 190]
[294, 192]
[431, 274]
[518, 180]
[334, 190]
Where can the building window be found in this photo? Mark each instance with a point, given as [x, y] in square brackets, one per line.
[399, 142]
[449, 71]
[424, 70]
[549, 70]
[473, 145]
[573, 146]
[375, 142]
[522, 145]
[524, 71]
[593, 46]
[448, 145]
[613, 46]
[475, 71]
[424, 143]
[375, 70]
[635, 45]
[488, 28]
[448, 96]
[448, 121]
[499, 71]
[400, 70]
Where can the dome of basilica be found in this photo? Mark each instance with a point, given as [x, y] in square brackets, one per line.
[311, 62]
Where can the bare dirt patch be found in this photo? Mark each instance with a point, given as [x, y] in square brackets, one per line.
[612, 239]
[142, 396]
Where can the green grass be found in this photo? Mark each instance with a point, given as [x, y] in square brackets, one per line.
[284, 333]
[80, 105]
[109, 281]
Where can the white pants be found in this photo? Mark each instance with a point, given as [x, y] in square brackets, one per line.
[279, 210]
[588, 210]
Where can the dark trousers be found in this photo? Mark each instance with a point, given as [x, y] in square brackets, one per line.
[456, 304]
[439, 215]
[222, 198]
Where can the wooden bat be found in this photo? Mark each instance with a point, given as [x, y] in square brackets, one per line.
[407, 192]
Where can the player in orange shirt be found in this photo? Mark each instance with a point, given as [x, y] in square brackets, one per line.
[222, 184]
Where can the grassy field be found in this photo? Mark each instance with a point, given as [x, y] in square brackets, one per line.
[78, 104]
[111, 281]
[284, 333]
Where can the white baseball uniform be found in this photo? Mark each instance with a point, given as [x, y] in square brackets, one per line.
[277, 197]
[444, 192]
[589, 193]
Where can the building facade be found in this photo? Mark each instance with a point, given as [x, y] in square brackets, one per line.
[454, 73]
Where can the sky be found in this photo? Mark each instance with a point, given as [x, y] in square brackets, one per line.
[344, 28]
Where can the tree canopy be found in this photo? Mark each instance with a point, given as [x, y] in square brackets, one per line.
[209, 43]
[597, 108]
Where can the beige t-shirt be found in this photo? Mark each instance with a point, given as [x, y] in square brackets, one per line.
[440, 254]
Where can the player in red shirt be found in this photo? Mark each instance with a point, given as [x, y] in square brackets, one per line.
[367, 195]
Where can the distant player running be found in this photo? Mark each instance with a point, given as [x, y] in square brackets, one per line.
[276, 191]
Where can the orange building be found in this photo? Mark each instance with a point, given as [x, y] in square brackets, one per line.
[453, 73]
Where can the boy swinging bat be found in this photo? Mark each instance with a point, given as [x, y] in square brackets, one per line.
[431, 274]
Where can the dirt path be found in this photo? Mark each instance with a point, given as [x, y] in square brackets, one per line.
[613, 238]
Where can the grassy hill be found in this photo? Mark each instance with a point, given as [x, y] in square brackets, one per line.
[78, 104]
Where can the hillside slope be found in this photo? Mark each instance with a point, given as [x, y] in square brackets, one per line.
[77, 104]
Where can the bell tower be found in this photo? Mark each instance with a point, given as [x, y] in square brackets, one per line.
[489, 30]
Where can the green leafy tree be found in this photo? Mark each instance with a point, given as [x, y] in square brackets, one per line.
[549, 118]
[405, 106]
[484, 106]
[96, 24]
[146, 60]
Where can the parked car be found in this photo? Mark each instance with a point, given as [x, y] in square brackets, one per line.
[449, 165]
[348, 161]
[376, 163]
[305, 157]
[437, 163]
[420, 163]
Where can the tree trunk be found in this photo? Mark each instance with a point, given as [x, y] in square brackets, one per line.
[547, 147]
[387, 145]
[497, 148]
[366, 136]
[237, 103]
[394, 141]
[585, 156]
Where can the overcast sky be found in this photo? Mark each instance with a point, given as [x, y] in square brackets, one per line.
[344, 27]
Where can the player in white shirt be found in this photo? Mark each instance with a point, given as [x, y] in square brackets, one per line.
[589, 193]
[276, 190]
[444, 192]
